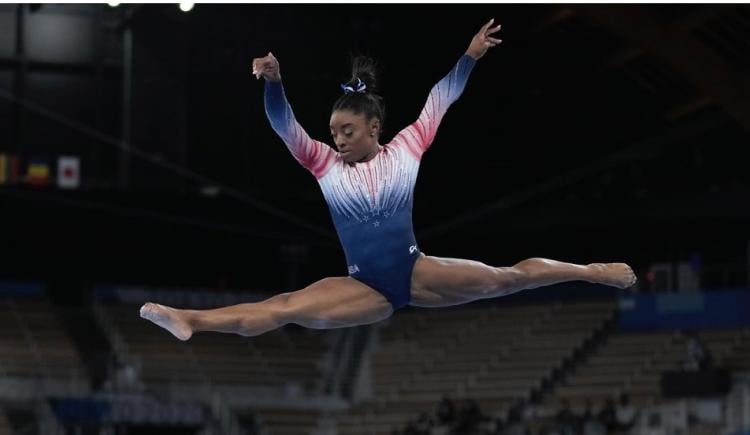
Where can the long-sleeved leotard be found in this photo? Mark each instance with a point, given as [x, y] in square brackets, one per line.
[371, 202]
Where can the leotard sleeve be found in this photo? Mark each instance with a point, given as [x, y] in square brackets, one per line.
[316, 156]
[418, 136]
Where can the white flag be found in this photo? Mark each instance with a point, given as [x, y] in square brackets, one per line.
[68, 172]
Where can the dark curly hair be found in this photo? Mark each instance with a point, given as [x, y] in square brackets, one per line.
[368, 102]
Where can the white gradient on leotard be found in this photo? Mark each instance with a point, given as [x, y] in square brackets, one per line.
[385, 184]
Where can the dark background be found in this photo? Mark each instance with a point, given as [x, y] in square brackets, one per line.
[592, 133]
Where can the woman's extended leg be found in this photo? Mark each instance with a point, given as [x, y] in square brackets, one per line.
[328, 303]
[440, 282]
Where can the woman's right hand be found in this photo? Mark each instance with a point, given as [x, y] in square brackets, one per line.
[268, 67]
[482, 41]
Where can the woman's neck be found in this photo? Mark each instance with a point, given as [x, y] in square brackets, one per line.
[371, 155]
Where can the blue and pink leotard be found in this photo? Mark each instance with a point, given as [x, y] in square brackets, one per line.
[371, 202]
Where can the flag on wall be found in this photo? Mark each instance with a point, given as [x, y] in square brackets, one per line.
[37, 173]
[13, 170]
[9, 165]
[68, 172]
[3, 168]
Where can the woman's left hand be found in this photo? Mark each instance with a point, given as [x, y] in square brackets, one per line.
[482, 40]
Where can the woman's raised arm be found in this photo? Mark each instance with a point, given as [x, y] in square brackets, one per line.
[418, 136]
[316, 156]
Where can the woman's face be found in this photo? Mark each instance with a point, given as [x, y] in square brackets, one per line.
[355, 138]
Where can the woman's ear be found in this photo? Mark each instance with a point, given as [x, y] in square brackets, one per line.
[374, 127]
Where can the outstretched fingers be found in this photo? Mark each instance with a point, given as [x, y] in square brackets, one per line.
[486, 26]
[485, 32]
[493, 30]
[490, 31]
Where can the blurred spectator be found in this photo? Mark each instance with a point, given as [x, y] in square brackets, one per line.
[469, 417]
[608, 416]
[626, 414]
[123, 378]
[654, 425]
[446, 412]
[515, 425]
[496, 426]
[590, 423]
[424, 424]
[565, 421]
[698, 358]
[532, 411]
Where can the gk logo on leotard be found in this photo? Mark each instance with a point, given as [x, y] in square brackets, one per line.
[412, 249]
[353, 269]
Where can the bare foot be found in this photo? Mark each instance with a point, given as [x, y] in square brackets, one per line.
[618, 275]
[168, 318]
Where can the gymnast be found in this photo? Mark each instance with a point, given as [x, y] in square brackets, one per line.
[368, 187]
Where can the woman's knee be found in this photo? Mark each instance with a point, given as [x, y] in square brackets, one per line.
[289, 308]
[260, 317]
[511, 278]
[279, 308]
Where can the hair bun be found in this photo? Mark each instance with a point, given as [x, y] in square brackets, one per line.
[360, 91]
[364, 69]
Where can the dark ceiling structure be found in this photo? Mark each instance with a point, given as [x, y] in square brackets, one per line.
[592, 133]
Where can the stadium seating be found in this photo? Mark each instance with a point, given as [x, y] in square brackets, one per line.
[493, 353]
[632, 363]
[34, 343]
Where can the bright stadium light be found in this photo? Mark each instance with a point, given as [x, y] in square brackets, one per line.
[114, 4]
[186, 7]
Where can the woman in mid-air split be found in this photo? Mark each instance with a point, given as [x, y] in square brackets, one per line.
[368, 188]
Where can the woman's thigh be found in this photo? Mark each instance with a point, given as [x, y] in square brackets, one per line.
[335, 303]
[440, 282]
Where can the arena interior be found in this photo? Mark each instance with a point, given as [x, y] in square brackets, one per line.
[137, 164]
